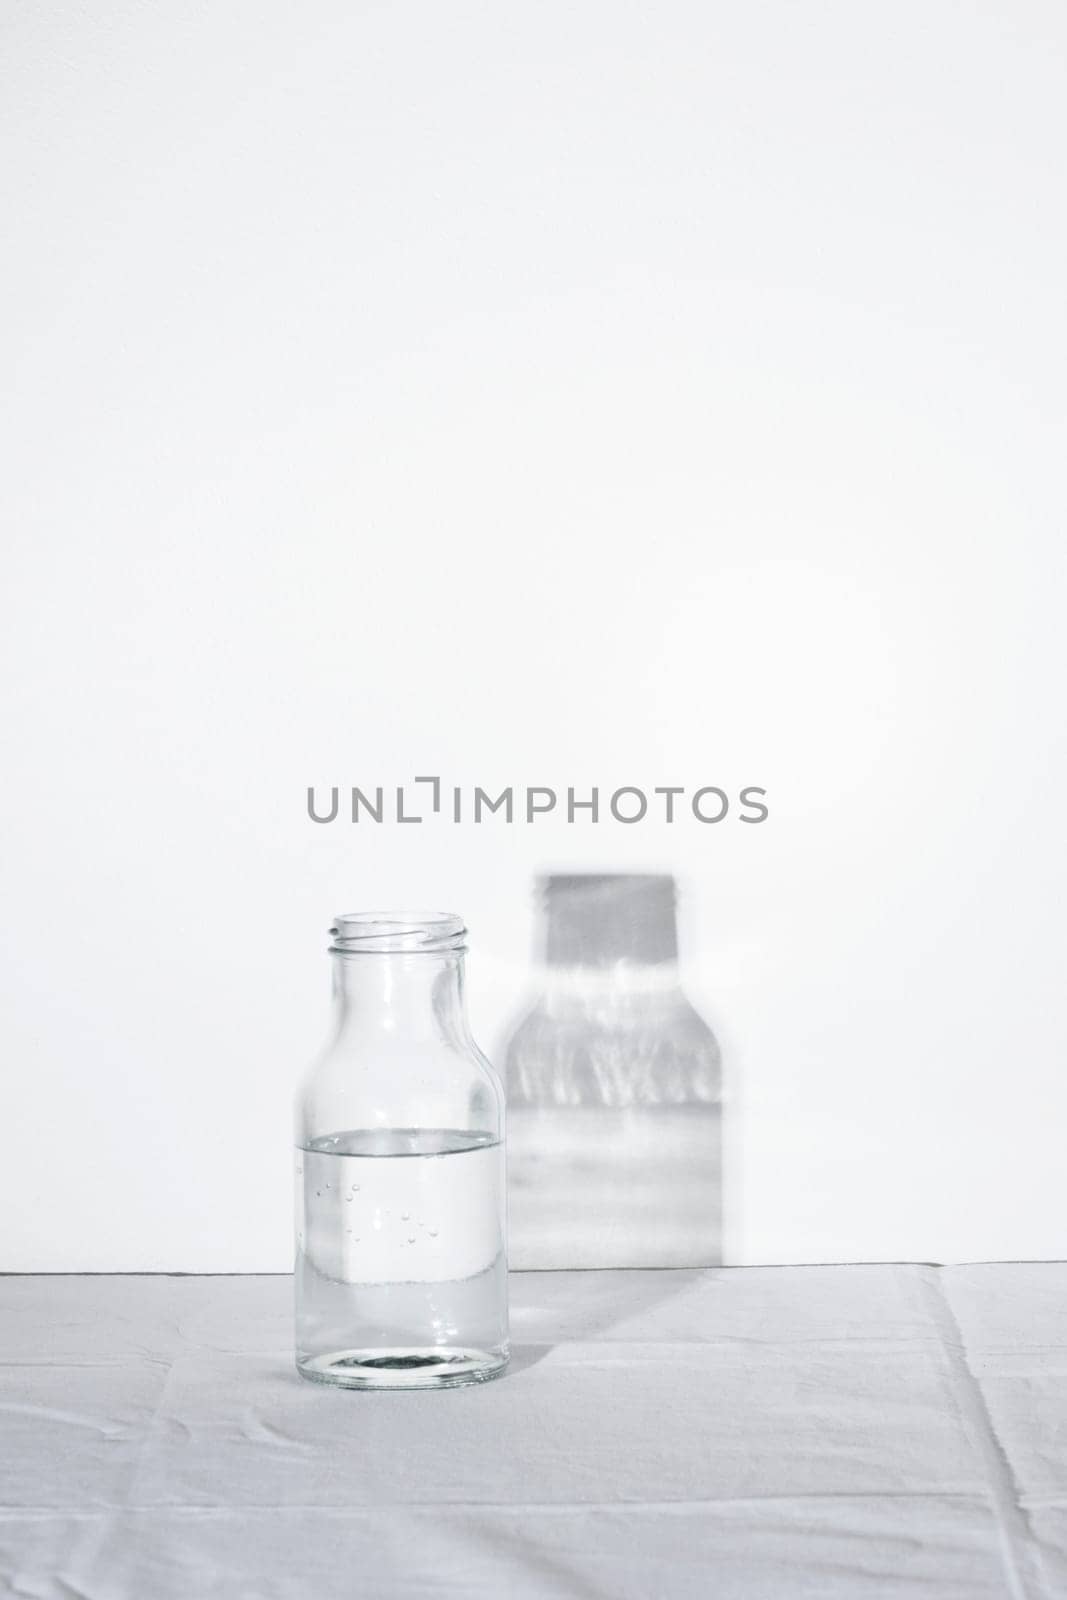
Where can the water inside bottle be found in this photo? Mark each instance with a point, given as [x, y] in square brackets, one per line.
[400, 1257]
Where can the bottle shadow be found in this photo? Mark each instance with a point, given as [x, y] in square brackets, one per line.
[552, 1308]
[614, 1084]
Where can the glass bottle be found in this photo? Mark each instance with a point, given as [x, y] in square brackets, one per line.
[614, 1089]
[401, 1272]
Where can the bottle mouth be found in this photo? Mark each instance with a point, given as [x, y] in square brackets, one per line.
[397, 932]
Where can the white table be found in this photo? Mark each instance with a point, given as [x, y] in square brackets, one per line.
[808, 1431]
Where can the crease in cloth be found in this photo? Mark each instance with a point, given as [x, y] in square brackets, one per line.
[1017, 1540]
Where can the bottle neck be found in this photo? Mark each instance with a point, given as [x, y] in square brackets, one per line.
[406, 997]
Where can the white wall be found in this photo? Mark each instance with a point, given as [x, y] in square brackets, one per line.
[565, 394]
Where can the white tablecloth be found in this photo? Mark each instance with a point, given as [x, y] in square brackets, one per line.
[810, 1431]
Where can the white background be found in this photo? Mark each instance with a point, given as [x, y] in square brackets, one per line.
[535, 394]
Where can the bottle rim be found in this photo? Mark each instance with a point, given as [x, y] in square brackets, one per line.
[356, 933]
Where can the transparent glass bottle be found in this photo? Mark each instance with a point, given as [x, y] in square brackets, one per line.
[614, 1089]
[401, 1271]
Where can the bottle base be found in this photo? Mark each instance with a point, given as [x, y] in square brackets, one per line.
[432, 1367]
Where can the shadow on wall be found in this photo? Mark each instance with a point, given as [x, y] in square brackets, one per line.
[614, 1087]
